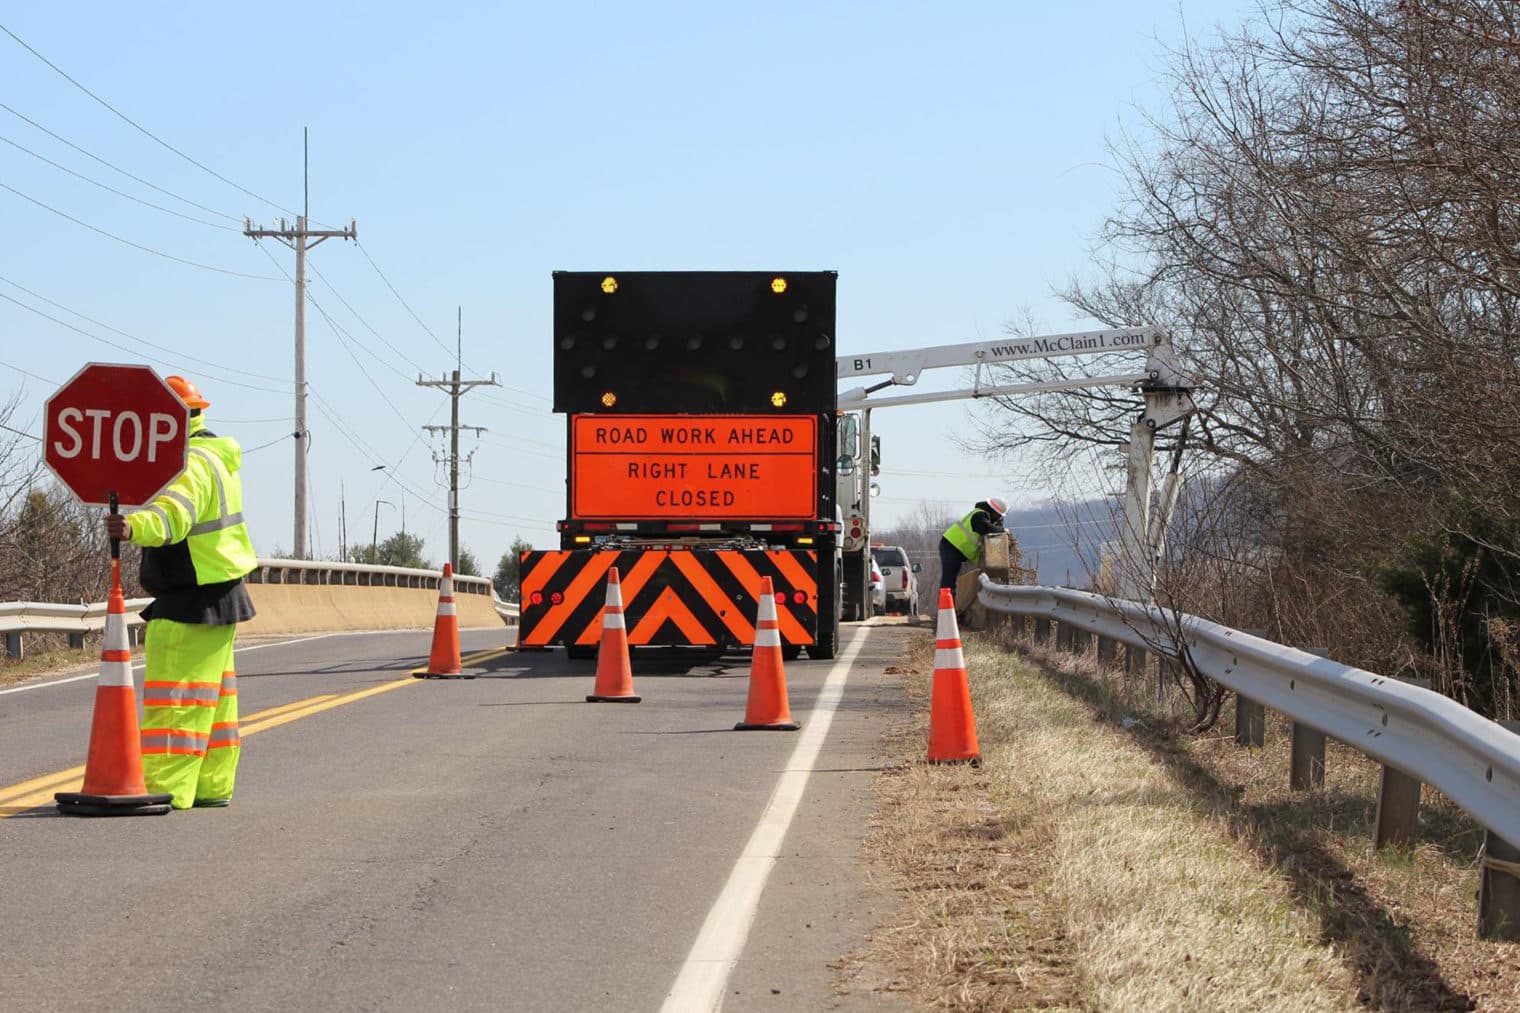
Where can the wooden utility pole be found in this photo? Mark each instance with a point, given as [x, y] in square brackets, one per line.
[455, 387]
[297, 239]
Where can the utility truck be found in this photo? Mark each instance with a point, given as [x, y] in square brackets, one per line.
[701, 435]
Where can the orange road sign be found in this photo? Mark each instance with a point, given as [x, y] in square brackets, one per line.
[693, 467]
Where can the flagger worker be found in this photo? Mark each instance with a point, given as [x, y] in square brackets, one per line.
[962, 541]
[195, 553]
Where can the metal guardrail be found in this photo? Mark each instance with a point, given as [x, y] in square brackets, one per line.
[1472, 760]
[17, 618]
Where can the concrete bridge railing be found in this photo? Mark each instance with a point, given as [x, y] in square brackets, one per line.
[294, 596]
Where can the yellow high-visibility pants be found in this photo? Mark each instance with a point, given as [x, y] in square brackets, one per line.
[190, 743]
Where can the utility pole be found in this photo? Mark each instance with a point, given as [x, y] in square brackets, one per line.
[455, 387]
[297, 239]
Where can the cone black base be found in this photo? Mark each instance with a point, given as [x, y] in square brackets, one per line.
[973, 761]
[593, 698]
[73, 803]
[784, 726]
[431, 675]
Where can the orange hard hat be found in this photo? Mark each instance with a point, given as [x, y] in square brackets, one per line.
[188, 392]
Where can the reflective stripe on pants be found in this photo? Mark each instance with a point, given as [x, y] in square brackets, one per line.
[190, 750]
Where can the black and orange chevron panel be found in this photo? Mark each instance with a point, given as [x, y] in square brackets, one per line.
[671, 597]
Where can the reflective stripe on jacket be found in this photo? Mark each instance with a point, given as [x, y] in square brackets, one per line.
[964, 537]
[203, 508]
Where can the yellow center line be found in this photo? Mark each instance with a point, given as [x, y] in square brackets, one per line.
[18, 798]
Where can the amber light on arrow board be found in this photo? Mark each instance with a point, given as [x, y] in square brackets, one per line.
[778, 285]
[608, 399]
[778, 399]
[609, 284]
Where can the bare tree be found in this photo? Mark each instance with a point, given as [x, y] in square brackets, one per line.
[1326, 217]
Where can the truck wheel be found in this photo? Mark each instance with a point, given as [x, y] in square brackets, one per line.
[579, 652]
[828, 642]
[791, 652]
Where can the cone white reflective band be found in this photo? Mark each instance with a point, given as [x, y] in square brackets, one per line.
[946, 628]
[767, 635]
[612, 618]
[116, 674]
[118, 670]
[767, 609]
[446, 608]
[949, 658]
[446, 587]
[614, 594]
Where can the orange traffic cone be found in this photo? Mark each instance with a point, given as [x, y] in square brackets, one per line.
[614, 674]
[767, 708]
[113, 772]
[443, 660]
[952, 726]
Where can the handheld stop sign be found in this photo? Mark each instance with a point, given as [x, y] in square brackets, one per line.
[115, 434]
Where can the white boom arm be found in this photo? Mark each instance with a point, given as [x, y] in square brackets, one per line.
[1168, 399]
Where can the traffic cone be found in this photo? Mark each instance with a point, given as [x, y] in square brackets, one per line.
[113, 771]
[767, 708]
[443, 660]
[952, 725]
[614, 674]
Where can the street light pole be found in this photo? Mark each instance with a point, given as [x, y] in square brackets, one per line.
[374, 537]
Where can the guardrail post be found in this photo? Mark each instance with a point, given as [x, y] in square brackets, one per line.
[1042, 631]
[76, 641]
[1063, 636]
[1081, 640]
[1250, 723]
[1108, 651]
[1134, 660]
[1398, 805]
[1307, 768]
[1499, 882]
[1250, 716]
[13, 646]
[1166, 673]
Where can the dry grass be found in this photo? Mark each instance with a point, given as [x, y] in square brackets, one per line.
[1091, 865]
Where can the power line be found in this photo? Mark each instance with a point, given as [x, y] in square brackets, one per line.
[20, 432]
[137, 126]
[142, 341]
[104, 341]
[128, 242]
[399, 354]
[399, 298]
[23, 372]
[116, 168]
[112, 189]
[261, 446]
[421, 323]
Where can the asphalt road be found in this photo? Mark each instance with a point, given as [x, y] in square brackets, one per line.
[487, 844]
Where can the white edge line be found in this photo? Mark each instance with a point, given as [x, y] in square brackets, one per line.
[240, 650]
[703, 978]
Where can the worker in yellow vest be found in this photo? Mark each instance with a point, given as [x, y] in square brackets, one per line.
[195, 553]
[962, 540]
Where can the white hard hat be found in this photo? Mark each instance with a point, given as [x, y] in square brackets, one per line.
[999, 504]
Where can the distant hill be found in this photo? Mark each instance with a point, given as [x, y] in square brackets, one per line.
[1062, 541]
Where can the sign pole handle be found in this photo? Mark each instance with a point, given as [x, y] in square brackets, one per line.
[115, 542]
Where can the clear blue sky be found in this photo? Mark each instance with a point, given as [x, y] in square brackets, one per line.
[949, 165]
